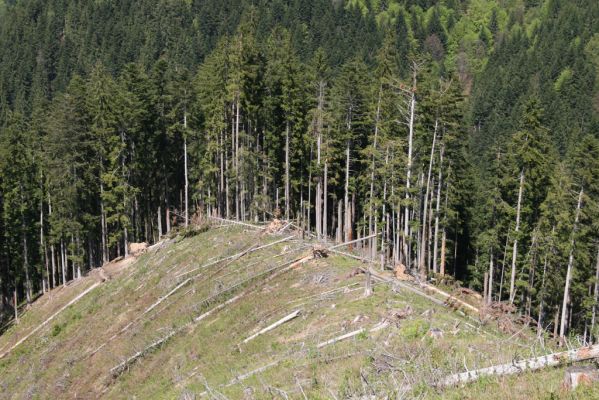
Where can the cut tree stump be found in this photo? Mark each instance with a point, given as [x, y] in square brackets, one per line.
[576, 376]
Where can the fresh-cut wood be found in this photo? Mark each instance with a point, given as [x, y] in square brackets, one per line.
[273, 326]
[531, 364]
[40, 326]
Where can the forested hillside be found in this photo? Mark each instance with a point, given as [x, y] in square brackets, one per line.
[464, 133]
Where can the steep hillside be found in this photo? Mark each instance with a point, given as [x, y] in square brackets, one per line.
[199, 299]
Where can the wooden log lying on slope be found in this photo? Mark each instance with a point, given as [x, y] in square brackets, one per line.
[40, 326]
[233, 222]
[450, 299]
[531, 364]
[377, 327]
[117, 370]
[166, 296]
[273, 326]
[249, 250]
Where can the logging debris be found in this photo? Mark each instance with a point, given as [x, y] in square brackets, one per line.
[516, 367]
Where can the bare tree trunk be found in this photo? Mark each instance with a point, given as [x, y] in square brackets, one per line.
[63, 262]
[515, 248]
[159, 222]
[236, 159]
[422, 263]
[541, 300]
[409, 168]
[16, 306]
[437, 210]
[596, 295]
[340, 222]
[325, 201]
[372, 167]
[347, 224]
[287, 171]
[103, 223]
[443, 249]
[562, 329]
[185, 165]
[43, 246]
[491, 273]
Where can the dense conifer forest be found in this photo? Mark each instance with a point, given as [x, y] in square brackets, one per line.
[464, 134]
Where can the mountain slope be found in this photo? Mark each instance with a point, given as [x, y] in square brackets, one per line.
[75, 355]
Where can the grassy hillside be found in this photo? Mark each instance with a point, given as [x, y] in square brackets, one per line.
[208, 359]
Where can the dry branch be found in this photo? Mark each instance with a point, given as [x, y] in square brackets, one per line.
[273, 326]
[531, 364]
[40, 326]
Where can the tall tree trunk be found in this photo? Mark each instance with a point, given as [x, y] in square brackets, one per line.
[409, 171]
[103, 223]
[491, 273]
[236, 159]
[443, 250]
[28, 287]
[565, 301]
[437, 209]
[372, 169]
[63, 262]
[185, 166]
[541, 300]
[348, 220]
[422, 260]
[325, 201]
[516, 232]
[340, 222]
[287, 194]
[159, 220]
[596, 295]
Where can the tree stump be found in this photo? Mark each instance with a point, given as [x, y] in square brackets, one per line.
[575, 376]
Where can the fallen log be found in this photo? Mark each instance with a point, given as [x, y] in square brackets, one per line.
[252, 373]
[273, 326]
[47, 321]
[119, 369]
[156, 304]
[230, 221]
[353, 241]
[236, 256]
[531, 364]
[449, 298]
[340, 338]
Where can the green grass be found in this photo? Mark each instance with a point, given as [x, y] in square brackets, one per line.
[211, 353]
